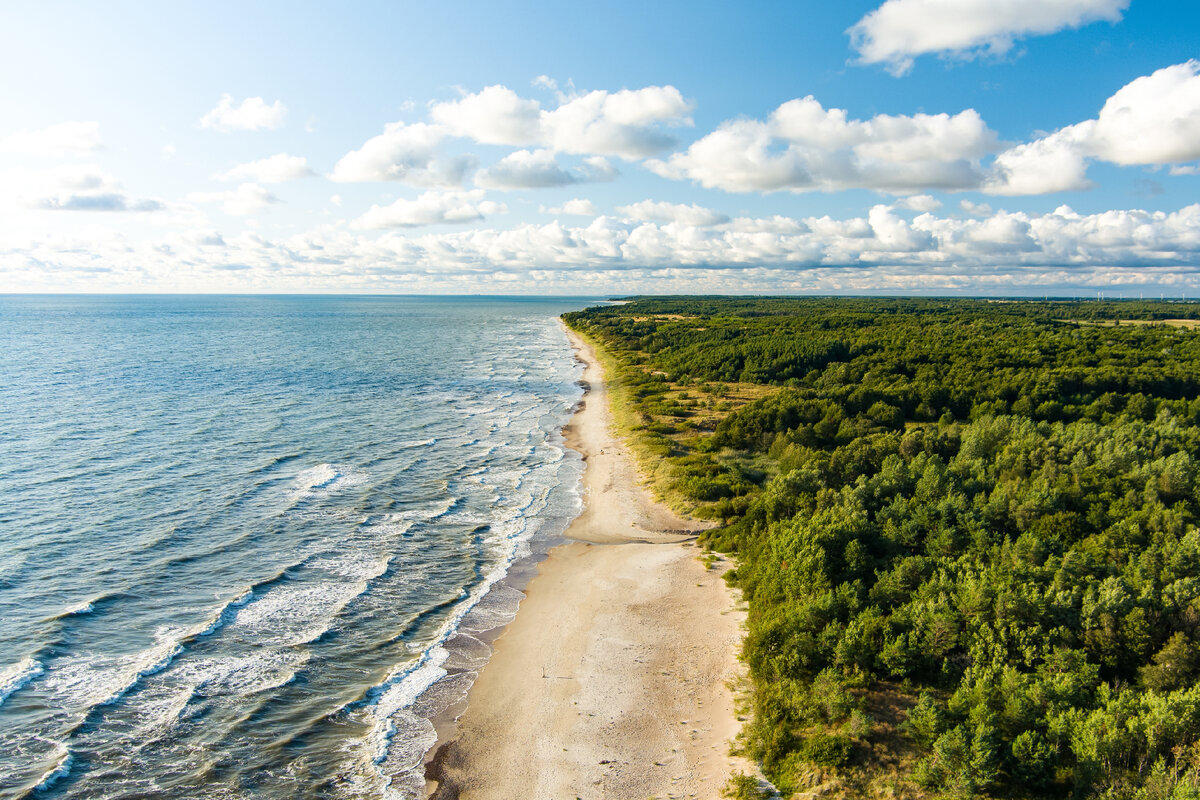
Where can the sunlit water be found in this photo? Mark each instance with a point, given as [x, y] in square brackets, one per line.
[245, 542]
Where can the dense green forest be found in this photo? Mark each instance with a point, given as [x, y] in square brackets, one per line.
[966, 531]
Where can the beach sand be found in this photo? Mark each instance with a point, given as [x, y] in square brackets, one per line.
[612, 681]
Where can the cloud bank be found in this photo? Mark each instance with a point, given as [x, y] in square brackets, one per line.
[684, 250]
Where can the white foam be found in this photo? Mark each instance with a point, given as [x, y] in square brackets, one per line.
[15, 676]
[407, 686]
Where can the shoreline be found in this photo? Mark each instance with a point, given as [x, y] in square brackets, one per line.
[612, 680]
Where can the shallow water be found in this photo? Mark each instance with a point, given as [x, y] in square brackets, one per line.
[236, 532]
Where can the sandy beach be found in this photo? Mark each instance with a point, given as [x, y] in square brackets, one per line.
[612, 681]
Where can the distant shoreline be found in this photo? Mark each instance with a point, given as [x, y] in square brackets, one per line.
[612, 679]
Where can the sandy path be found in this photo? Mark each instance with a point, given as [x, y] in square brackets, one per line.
[611, 681]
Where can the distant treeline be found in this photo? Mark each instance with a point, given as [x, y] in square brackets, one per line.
[966, 530]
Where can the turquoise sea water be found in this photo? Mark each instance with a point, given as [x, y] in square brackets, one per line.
[249, 545]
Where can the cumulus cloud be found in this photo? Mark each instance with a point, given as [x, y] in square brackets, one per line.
[690, 215]
[1151, 121]
[246, 199]
[803, 146]
[252, 114]
[578, 207]
[536, 169]
[1154, 119]
[525, 169]
[1055, 163]
[408, 153]
[98, 201]
[900, 30]
[72, 188]
[918, 202]
[275, 169]
[626, 124]
[431, 208]
[63, 139]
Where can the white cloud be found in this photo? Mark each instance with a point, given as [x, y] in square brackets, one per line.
[802, 146]
[1154, 119]
[494, 115]
[545, 82]
[408, 153]
[71, 188]
[625, 124]
[805, 147]
[431, 208]
[98, 201]
[246, 199]
[274, 169]
[1151, 121]
[63, 139]
[252, 114]
[690, 215]
[1054, 163]
[900, 30]
[578, 207]
[918, 202]
[526, 169]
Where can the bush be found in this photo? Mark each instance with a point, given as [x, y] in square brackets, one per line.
[744, 787]
[825, 750]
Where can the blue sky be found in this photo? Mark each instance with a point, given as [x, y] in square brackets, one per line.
[901, 146]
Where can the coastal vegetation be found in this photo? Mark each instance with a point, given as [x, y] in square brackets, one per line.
[967, 531]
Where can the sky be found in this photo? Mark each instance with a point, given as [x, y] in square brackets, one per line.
[961, 147]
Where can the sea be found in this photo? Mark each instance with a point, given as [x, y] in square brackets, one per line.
[253, 547]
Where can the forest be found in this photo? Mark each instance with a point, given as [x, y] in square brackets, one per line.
[966, 530]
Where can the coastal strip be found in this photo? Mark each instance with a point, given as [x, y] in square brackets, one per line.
[614, 679]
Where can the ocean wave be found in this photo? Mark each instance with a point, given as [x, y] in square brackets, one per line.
[248, 675]
[407, 682]
[294, 615]
[275, 461]
[88, 607]
[83, 608]
[61, 767]
[87, 682]
[325, 479]
[223, 615]
[16, 676]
